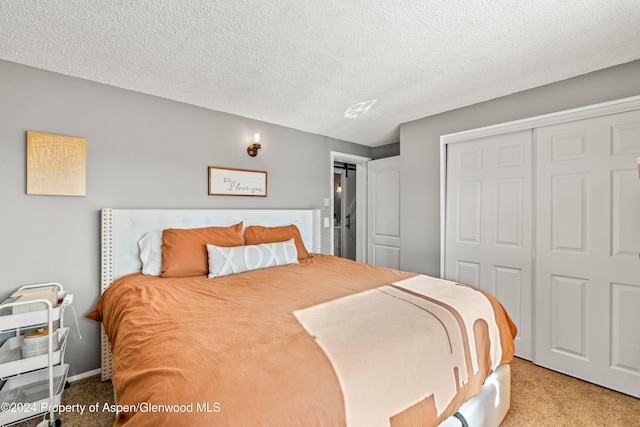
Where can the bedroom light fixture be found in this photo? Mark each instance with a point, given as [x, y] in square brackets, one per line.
[357, 110]
[253, 149]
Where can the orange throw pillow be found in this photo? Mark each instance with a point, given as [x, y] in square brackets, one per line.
[256, 234]
[184, 250]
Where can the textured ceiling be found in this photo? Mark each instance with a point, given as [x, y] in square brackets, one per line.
[303, 63]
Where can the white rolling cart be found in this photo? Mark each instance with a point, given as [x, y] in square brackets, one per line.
[33, 385]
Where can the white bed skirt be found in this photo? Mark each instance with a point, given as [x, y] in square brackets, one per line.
[489, 407]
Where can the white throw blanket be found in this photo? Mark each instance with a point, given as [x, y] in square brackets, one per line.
[393, 346]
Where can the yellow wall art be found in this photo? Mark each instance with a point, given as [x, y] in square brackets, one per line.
[56, 164]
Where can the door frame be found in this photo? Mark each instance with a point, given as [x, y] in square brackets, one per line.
[580, 113]
[361, 199]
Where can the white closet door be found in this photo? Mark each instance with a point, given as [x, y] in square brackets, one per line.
[384, 212]
[488, 234]
[587, 302]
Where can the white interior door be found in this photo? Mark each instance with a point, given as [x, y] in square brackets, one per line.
[587, 302]
[488, 223]
[384, 212]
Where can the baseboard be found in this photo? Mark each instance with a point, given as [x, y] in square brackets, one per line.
[84, 375]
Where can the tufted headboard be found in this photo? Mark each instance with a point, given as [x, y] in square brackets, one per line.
[122, 228]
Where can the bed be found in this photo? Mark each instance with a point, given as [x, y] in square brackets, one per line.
[315, 340]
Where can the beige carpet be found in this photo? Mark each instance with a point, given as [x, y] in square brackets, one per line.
[539, 398]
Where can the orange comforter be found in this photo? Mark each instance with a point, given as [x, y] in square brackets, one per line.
[230, 351]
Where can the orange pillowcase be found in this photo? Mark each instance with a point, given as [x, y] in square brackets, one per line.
[256, 234]
[184, 251]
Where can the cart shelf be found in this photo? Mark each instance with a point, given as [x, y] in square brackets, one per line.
[11, 321]
[28, 395]
[12, 363]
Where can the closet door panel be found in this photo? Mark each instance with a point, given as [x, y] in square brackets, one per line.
[568, 316]
[469, 211]
[468, 273]
[587, 271]
[625, 208]
[508, 288]
[508, 211]
[488, 234]
[569, 212]
[625, 339]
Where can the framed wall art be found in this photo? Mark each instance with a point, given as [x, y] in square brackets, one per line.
[56, 164]
[237, 182]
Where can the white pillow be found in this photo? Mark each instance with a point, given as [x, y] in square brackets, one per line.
[237, 259]
[151, 253]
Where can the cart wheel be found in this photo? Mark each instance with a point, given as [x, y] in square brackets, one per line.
[58, 422]
[67, 384]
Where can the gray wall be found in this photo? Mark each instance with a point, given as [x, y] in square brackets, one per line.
[142, 151]
[420, 142]
[388, 150]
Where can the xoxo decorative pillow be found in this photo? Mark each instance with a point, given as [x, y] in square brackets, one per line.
[224, 261]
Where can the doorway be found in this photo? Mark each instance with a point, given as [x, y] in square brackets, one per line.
[345, 210]
[358, 219]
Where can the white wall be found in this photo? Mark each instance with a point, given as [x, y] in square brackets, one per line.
[420, 146]
[143, 152]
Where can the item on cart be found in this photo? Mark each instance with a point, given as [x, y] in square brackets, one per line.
[49, 293]
[36, 342]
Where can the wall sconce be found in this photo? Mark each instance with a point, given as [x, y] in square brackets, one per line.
[339, 188]
[253, 149]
